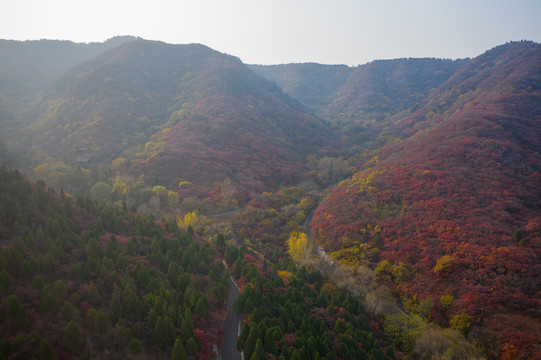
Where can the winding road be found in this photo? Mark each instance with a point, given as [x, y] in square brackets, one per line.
[231, 326]
[307, 222]
[316, 249]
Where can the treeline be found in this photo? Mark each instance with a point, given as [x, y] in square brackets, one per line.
[295, 313]
[81, 278]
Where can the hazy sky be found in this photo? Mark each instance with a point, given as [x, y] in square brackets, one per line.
[349, 32]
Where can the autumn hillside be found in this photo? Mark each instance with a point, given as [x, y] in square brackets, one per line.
[174, 112]
[359, 102]
[422, 175]
[449, 209]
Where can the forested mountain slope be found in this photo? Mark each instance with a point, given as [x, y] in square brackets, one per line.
[80, 278]
[175, 112]
[28, 67]
[385, 87]
[87, 279]
[450, 207]
[312, 84]
[359, 102]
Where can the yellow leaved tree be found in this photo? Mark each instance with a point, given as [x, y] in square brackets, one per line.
[299, 247]
[190, 219]
[193, 220]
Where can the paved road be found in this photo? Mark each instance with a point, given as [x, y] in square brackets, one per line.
[231, 326]
[307, 223]
[316, 249]
[231, 322]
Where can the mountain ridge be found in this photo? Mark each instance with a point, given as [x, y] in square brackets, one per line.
[27, 67]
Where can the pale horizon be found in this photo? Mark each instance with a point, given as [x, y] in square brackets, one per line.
[345, 32]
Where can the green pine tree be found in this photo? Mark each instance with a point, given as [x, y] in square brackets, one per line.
[192, 347]
[164, 332]
[69, 311]
[92, 294]
[135, 346]
[269, 345]
[179, 353]
[5, 281]
[295, 355]
[50, 304]
[259, 352]
[45, 350]
[201, 307]
[16, 312]
[38, 283]
[251, 342]
[245, 331]
[72, 337]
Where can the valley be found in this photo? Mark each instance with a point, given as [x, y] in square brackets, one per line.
[386, 211]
